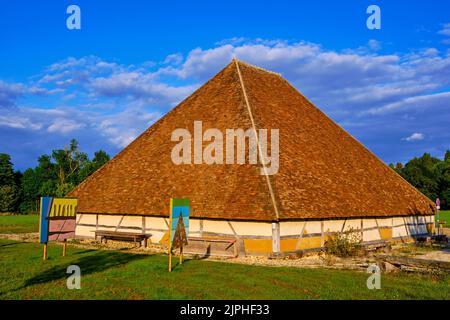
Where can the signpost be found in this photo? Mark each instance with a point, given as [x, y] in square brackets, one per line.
[57, 221]
[178, 227]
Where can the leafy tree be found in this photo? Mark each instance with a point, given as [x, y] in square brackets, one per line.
[46, 169]
[7, 177]
[9, 198]
[444, 180]
[29, 186]
[48, 188]
[430, 175]
[63, 189]
[447, 156]
[100, 158]
[68, 163]
[9, 191]
[57, 175]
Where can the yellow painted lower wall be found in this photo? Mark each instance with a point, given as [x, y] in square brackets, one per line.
[386, 233]
[287, 245]
[258, 246]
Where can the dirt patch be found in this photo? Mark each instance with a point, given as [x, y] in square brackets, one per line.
[439, 255]
[26, 237]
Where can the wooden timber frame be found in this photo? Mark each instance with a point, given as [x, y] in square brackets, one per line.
[292, 236]
[207, 240]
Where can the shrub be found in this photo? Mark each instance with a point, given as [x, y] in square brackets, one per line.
[344, 244]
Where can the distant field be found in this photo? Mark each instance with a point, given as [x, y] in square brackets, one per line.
[444, 215]
[19, 223]
[107, 274]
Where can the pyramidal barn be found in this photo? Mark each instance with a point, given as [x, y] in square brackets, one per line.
[326, 181]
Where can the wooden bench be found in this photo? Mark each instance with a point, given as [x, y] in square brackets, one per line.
[230, 242]
[122, 236]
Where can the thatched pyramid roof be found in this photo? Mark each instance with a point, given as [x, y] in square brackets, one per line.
[324, 172]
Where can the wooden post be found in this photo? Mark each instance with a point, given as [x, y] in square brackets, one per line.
[275, 237]
[181, 253]
[143, 232]
[362, 230]
[201, 227]
[170, 242]
[45, 252]
[322, 237]
[392, 228]
[64, 247]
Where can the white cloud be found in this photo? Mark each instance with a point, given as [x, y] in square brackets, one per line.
[9, 93]
[119, 129]
[92, 77]
[415, 137]
[61, 125]
[413, 103]
[360, 81]
[175, 58]
[445, 30]
[122, 128]
[18, 122]
[374, 44]
[355, 80]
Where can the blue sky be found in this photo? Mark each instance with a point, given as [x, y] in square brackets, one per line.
[134, 60]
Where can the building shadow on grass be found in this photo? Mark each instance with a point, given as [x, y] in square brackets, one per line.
[8, 244]
[77, 253]
[93, 263]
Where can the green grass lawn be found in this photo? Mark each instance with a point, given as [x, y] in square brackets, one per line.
[110, 274]
[444, 215]
[19, 223]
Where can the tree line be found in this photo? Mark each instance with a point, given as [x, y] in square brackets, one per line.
[430, 175]
[55, 175]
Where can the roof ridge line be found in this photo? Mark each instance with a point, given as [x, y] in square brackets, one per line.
[257, 67]
[269, 183]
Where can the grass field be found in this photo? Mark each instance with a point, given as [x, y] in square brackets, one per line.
[110, 274]
[444, 215]
[19, 223]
